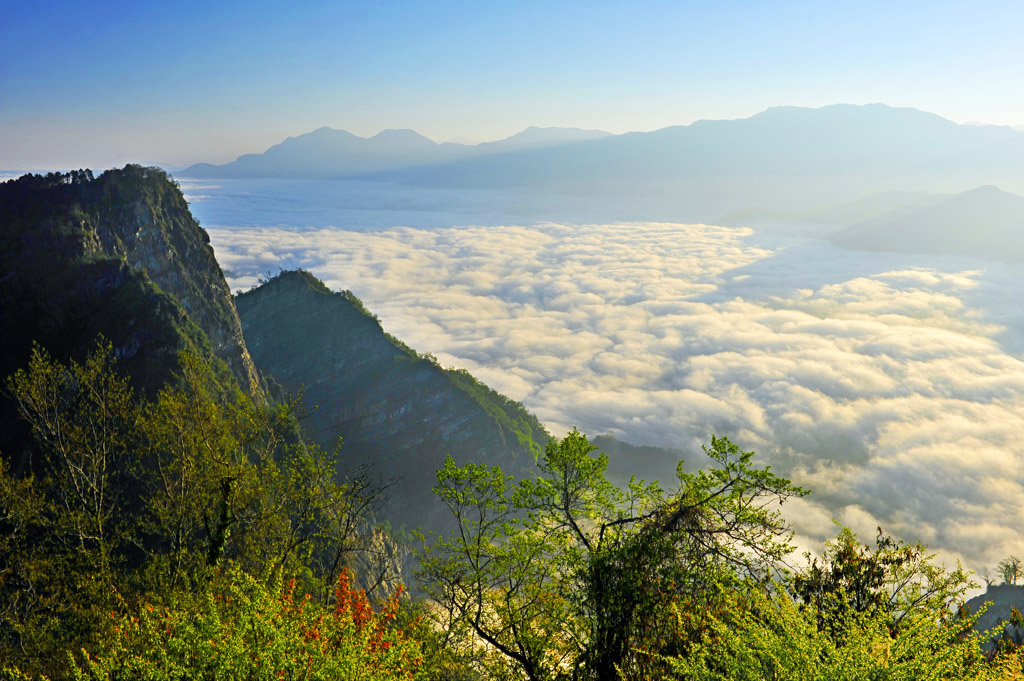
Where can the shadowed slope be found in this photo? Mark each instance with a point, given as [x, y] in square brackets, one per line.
[394, 409]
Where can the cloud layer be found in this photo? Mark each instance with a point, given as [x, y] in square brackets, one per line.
[891, 386]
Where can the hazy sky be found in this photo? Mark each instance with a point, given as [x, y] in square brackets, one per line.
[103, 83]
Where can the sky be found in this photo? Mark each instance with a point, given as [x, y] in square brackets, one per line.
[105, 83]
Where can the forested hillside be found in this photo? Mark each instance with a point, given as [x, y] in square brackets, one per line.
[395, 410]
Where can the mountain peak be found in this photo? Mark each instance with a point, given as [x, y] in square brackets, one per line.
[849, 112]
[398, 133]
[397, 409]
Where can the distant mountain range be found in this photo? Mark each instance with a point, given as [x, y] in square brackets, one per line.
[330, 153]
[785, 159]
[984, 223]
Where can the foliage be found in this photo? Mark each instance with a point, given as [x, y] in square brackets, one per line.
[887, 613]
[241, 627]
[892, 580]
[67, 535]
[138, 498]
[1010, 569]
[762, 634]
[568, 575]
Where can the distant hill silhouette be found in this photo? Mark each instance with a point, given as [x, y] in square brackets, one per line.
[828, 220]
[1002, 597]
[327, 153]
[786, 159]
[984, 222]
[883, 204]
[643, 461]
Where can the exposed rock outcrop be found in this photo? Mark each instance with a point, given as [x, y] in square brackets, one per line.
[135, 215]
[118, 256]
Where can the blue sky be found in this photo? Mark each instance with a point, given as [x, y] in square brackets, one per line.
[104, 83]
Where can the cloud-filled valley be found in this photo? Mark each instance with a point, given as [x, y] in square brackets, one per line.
[890, 385]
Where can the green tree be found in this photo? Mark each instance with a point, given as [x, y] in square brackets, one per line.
[1010, 569]
[893, 579]
[84, 421]
[764, 634]
[234, 479]
[133, 498]
[67, 531]
[569, 576]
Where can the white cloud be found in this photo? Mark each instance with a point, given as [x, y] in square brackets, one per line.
[892, 386]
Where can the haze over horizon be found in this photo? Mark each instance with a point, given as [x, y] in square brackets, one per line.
[102, 85]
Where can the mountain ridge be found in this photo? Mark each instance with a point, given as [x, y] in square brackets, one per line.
[330, 152]
[984, 222]
[119, 260]
[393, 408]
[134, 216]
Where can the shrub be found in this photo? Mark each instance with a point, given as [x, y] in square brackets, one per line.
[765, 635]
[241, 627]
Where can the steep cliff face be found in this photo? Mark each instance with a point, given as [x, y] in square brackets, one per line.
[144, 218]
[394, 410]
[134, 220]
[117, 256]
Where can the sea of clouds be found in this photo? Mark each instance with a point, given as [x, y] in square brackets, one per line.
[892, 386]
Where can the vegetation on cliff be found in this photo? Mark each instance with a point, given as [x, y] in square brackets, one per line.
[120, 256]
[70, 242]
[397, 410]
[137, 500]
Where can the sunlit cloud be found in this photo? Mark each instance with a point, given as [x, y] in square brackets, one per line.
[891, 386]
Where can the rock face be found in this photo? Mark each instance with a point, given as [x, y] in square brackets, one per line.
[117, 257]
[396, 411]
[134, 220]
